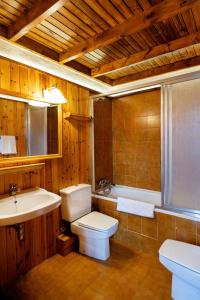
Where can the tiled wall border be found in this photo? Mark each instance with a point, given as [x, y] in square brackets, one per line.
[147, 235]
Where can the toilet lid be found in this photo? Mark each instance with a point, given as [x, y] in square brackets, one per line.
[97, 221]
[182, 253]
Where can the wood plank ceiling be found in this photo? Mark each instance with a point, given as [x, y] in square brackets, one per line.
[115, 40]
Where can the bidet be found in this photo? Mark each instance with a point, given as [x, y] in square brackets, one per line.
[183, 260]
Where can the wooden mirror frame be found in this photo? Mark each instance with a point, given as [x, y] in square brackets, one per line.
[38, 157]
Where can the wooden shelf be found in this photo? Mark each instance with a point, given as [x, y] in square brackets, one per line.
[21, 169]
[77, 117]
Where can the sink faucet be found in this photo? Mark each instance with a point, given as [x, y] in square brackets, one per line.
[13, 189]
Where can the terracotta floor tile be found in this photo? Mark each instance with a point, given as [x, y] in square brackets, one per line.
[126, 275]
[91, 294]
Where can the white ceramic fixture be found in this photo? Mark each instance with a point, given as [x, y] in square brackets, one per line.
[183, 260]
[26, 206]
[92, 228]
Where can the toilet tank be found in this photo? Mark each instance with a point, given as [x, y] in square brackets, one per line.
[76, 201]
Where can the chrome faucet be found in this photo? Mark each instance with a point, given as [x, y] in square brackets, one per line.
[105, 185]
[13, 189]
[103, 182]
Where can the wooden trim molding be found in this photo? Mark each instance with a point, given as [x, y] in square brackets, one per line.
[21, 169]
[28, 158]
[40, 157]
[19, 95]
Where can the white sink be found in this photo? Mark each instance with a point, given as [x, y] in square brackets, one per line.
[30, 204]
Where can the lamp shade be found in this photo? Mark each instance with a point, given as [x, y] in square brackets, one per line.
[54, 95]
[38, 103]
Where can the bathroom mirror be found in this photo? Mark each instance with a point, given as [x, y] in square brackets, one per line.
[28, 131]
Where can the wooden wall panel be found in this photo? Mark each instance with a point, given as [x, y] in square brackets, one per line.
[52, 132]
[76, 134]
[5, 74]
[14, 77]
[40, 234]
[3, 257]
[103, 140]
[11, 255]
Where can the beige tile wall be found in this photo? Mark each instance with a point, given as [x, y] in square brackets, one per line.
[127, 150]
[127, 140]
[136, 140]
[147, 235]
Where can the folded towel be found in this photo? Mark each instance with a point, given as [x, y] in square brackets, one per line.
[8, 144]
[135, 207]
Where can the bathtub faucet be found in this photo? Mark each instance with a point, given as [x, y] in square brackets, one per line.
[105, 185]
[103, 182]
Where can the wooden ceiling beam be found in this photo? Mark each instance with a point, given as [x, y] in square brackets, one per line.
[37, 47]
[155, 14]
[186, 63]
[3, 31]
[134, 59]
[106, 80]
[31, 18]
[79, 67]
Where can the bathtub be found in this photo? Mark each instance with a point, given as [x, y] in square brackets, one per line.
[148, 196]
[145, 196]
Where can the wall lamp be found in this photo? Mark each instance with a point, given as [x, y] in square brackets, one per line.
[54, 95]
[38, 103]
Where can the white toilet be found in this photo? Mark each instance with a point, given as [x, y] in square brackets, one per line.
[92, 228]
[183, 260]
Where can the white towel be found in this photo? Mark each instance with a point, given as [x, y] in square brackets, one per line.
[8, 144]
[135, 207]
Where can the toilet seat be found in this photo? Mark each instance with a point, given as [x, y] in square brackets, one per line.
[97, 221]
[184, 254]
[94, 230]
[95, 225]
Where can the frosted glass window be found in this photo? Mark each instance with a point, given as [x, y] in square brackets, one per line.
[37, 131]
[182, 145]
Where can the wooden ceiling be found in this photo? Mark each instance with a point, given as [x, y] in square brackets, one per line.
[114, 40]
